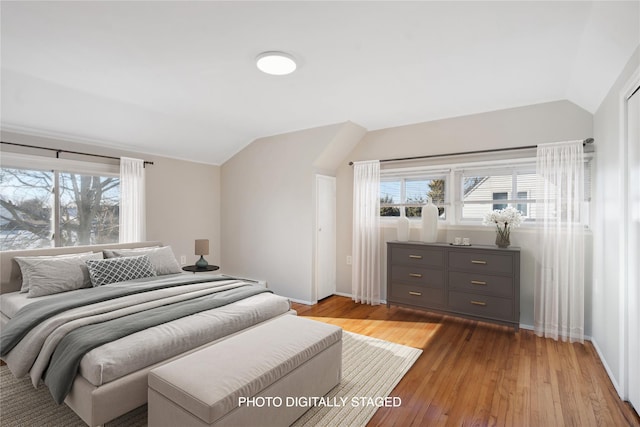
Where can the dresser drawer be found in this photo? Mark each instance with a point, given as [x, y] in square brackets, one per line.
[417, 276]
[481, 262]
[417, 295]
[481, 305]
[417, 255]
[482, 283]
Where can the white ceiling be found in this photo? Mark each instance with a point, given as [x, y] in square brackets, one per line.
[179, 78]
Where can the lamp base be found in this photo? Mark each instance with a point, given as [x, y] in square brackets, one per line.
[201, 263]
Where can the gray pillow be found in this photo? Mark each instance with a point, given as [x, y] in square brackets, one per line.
[110, 253]
[55, 275]
[119, 269]
[162, 258]
[25, 263]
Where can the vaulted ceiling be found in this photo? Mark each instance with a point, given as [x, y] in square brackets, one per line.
[178, 78]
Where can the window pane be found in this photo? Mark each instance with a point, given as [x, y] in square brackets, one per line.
[480, 191]
[417, 191]
[390, 194]
[500, 196]
[89, 211]
[25, 209]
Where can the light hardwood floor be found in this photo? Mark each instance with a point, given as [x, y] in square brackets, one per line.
[476, 374]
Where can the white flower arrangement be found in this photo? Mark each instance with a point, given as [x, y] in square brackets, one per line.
[504, 219]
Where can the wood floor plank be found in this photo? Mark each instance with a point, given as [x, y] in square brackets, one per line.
[472, 373]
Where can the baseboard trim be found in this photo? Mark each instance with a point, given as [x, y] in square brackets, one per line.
[607, 369]
[343, 294]
[300, 301]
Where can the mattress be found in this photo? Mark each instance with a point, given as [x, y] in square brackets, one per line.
[11, 302]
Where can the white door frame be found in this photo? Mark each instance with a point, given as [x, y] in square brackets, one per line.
[332, 180]
[625, 304]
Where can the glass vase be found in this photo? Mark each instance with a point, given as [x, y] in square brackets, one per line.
[502, 240]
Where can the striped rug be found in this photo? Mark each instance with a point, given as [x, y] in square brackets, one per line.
[371, 368]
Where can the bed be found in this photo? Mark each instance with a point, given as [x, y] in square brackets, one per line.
[94, 345]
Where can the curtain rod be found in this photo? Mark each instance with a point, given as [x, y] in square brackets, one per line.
[58, 151]
[494, 150]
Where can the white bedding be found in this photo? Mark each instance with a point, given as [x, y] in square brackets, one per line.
[134, 352]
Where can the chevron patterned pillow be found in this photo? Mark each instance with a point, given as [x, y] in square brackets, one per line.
[112, 270]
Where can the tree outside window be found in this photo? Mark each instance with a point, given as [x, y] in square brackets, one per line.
[88, 209]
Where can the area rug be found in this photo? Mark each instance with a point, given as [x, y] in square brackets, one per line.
[371, 368]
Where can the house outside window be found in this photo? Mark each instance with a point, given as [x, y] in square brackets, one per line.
[493, 189]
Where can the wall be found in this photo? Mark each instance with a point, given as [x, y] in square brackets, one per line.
[515, 127]
[268, 205]
[607, 286]
[183, 198]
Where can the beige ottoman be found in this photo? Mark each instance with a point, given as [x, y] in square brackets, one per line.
[250, 379]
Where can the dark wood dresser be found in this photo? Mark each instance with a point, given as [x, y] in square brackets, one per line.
[477, 282]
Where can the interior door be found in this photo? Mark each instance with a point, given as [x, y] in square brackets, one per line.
[633, 247]
[325, 236]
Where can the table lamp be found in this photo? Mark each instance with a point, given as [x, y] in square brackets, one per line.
[202, 248]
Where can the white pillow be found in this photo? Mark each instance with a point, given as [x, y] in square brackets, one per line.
[25, 262]
[52, 276]
[162, 258]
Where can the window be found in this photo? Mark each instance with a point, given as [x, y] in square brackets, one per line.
[484, 190]
[480, 187]
[405, 196]
[40, 208]
[500, 196]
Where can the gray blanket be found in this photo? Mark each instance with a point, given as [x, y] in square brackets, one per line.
[33, 314]
[66, 358]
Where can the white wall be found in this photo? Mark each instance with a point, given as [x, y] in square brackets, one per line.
[268, 205]
[607, 286]
[524, 126]
[183, 198]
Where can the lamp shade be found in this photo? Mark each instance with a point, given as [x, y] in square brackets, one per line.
[202, 247]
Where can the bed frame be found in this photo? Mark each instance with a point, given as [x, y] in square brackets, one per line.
[95, 405]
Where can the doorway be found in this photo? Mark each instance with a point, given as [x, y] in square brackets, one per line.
[633, 244]
[325, 265]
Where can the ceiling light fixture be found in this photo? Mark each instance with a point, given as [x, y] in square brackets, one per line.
[276, 63]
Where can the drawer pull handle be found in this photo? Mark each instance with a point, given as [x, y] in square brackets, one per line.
[478, 303]
[417, 294]
[478, 282]
[475, 261]
[415, 256]
[415, 275]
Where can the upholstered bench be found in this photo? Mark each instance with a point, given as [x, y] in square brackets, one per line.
[252, 378]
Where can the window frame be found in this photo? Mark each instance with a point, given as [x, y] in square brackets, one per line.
[454, 174]
[404, 175]
[57, 166]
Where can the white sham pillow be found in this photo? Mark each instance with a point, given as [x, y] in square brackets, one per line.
[52, 276]
[25, 263]
[162, 258]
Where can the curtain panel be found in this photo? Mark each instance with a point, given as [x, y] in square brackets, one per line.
[132, 200]
[559, 273]
[365, 276]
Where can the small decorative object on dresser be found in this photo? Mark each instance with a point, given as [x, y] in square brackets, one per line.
[202, 248]
[504, 220]
[429, 232]
[403, 229]
[479, 282]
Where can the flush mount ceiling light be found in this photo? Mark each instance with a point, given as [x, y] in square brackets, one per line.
[276, 63]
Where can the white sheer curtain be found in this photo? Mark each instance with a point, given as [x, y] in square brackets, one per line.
[365, 276]
[559, 281]
[132, 200]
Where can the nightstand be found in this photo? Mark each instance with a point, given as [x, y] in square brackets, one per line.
[195, 269]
